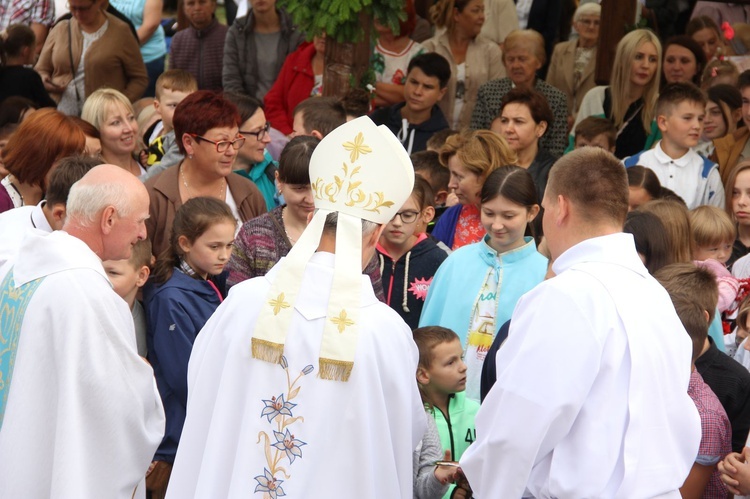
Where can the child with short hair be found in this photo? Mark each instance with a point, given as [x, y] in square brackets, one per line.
[127, 277]
[171, 87]
[427, 165]
[318, 116]
[441, 375]
[597, 132]
[178, 300]
[694, 297]
[438, 139]
[679, 115]
[408, 257]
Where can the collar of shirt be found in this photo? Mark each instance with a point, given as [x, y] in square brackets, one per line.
[662, 157]
[613, 248]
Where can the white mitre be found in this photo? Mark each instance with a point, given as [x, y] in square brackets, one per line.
[362, 172]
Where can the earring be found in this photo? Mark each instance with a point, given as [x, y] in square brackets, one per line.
[190, 156]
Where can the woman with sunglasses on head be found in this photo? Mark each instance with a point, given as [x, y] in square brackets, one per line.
[253, 159]
[206, 127]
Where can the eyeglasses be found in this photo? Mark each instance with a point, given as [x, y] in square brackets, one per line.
[223, 145]
[260, 134]
[407, 217]
[75, 8]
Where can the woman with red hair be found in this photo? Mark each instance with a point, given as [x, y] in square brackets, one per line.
[206, 127]
[42, 139]
[391, 58]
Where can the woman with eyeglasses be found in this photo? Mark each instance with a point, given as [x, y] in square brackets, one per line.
[113, 115]
[253, 159]
[91, 50]
[571, 68]
[206, 126]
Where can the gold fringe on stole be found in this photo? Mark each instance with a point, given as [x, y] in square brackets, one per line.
[334, 370]
[267, 351]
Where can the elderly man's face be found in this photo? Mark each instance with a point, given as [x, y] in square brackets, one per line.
[129, 228]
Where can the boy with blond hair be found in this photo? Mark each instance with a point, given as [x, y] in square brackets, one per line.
[679, 115]
[441, 375]
[127, 277]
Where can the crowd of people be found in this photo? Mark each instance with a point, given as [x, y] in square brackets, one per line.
[485, 276]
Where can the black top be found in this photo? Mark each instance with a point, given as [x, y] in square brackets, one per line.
[730, 381]
[738, 251]
[632, 137]
[489, 368]
[24, 82]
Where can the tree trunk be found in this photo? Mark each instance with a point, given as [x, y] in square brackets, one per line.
[346, 63]
[616, 14]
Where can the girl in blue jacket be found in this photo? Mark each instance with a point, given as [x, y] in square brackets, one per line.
[178, 300]
[476, 289]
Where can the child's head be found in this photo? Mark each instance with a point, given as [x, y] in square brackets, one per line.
[202, 236]
[411, 220]
[723, 111]
[318, 116]
[704, 30]
[694, 295]
[679, 114]
[427, 165]
[738, 194]
[127, 276]
[356, 103]
[68, 171]
[676, 221]
[441, 371]
[426, 81]
[171, 87]
[713, 233]
[720, 72]
[509, 205]
[437, 140]
[650, 239]
[596, 131]
[644, 186]
[199, 13]
[19, 43]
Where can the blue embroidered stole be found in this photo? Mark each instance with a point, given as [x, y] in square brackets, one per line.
[13, 303]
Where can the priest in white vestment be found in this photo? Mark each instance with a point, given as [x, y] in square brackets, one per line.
[302, 384]
[591, 393]
[80, 416]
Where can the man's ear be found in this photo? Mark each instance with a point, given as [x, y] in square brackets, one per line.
[108, 219]
[58, 216]
[317, 134]
[441, 197]
[563, 210]
[423, 376]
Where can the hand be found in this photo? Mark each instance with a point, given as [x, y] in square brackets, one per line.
[51, 87]
[446, 474]
[157, 478]
[462, 483]
[452, 199]
[735, 473]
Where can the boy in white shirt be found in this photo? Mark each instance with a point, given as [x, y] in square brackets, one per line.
[680, 111]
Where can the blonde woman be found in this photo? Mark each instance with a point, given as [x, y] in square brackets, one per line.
[474, 59]
[630, 99]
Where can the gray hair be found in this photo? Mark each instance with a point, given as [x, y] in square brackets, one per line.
[587, 9]
[332, 220]
[86, 201]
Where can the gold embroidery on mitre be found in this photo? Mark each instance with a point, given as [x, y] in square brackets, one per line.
[278, 304]
[355, 195]
[357, 147]
[342, 321]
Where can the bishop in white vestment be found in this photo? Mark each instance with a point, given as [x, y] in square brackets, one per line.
[302, 384]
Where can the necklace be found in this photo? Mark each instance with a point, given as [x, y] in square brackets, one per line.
[283, 221]
[222, 187]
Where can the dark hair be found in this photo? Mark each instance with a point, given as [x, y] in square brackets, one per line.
[427, 338]
[728, 99]
[12, 109]
[323, 114]
[356, 102]
[702, 22]
[192, 219]
[536, 102]
[69, 171]
[294, 162]
[595, 181]
[429, 162]
[437, 140]
[17, 37]
[141, 254]
[593, 126]
[692, 46]
[247, 106]
[514, 184]
[693, 292]
[201, 111]
[42, 138]
[422, 191]
[742, 82]
[650, 239]
[676, 93]
[640, 176]
[433, 65]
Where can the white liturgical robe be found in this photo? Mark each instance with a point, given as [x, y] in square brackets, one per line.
[257, 429]
[83, 416]
[15, 223]
[591, 394]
